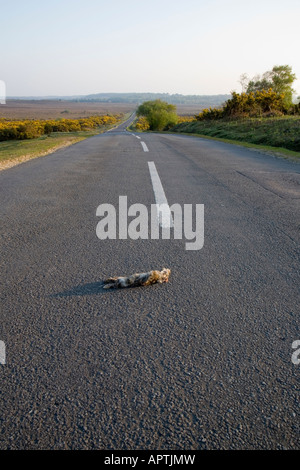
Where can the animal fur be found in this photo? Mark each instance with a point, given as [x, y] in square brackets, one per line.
[138, 279]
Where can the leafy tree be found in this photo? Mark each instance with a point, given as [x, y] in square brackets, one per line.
[244, 81]
[280, 79]
[159, 114]
[259, 83]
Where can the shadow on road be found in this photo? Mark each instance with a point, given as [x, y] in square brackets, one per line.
[91, 288]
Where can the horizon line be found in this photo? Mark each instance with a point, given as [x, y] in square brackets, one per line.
[115, 93]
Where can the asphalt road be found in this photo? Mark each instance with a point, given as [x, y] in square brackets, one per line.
[203, 362]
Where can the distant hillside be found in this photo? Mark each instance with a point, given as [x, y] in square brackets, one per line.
[201, 100]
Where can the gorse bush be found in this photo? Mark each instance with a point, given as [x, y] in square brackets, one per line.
[185, 119]
[253, 104]
[142, 124]
[210, 114]
[30, 129]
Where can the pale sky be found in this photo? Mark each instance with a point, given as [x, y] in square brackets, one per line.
[75, 47]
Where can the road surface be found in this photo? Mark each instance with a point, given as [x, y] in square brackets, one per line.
[203, 362]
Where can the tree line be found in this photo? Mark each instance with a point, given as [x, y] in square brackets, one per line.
[137, 98]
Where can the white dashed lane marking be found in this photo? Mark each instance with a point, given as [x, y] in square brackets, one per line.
[163, 210]
[145, 147]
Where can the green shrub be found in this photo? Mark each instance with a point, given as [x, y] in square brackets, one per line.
[159, 114]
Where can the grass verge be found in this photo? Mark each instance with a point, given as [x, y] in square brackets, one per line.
[277, 151]
[274, 135]
[13, 152]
